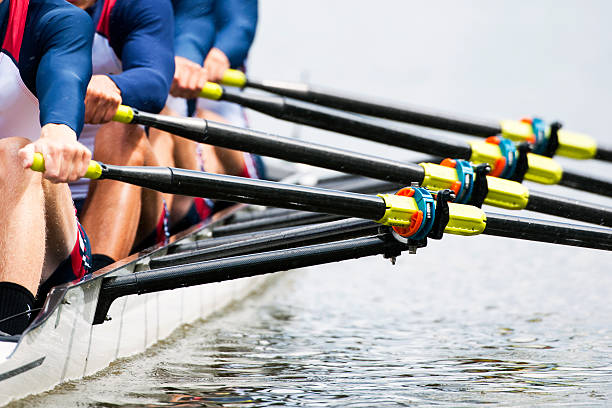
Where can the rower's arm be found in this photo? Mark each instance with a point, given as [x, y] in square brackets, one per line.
[64, 36]
[236, 23]
[142, 31]
[194, 29]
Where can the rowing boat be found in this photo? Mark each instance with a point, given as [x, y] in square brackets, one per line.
[62, 344]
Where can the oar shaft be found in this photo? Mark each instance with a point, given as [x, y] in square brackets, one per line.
[349, 124]
[270, 145]
[388, 110]
[365, 128]
[567, 207]
[300, 236]
[251, 191]
[548, 231]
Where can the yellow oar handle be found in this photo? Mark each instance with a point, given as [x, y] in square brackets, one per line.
[94, 170]
[125, 114]
[212, 91]
[234, 77]
[463, 219]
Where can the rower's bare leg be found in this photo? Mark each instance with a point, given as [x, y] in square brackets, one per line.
[152, 204]
[112, 209]
[29, 251]
[162, 144]
[218, 159]
[174, 151]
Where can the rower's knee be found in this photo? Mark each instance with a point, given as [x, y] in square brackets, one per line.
[121, 144]
[12, 173]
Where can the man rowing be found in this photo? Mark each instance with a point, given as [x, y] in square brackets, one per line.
[45, 66]
[133, 64]
[197, 24]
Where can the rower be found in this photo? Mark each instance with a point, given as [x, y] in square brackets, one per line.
[133, 64]
[196, 30]
[235, 24]
[45, 66]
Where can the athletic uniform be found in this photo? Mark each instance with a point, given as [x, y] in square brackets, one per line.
[235, 24]
[45, 66]
[133, 46]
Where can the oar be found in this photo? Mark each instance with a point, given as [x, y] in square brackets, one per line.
[539, 168]
[570, 144]
[413, 212]
[499, 192]
[387, 209]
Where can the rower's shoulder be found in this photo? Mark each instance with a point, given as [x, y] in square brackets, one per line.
[131, 12]
[59, 16]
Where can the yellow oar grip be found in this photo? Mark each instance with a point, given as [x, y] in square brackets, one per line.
[124, 114]
[234, 77]
[212, 91]
[94, 170]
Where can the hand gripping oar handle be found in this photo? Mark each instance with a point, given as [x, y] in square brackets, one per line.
[94, 170]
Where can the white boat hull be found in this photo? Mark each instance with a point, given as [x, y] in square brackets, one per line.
[66, 346]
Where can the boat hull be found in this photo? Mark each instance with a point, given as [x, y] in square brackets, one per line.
[66, 346]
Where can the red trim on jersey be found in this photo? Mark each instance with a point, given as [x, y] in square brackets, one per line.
[202, 208]
[18, 11]
[103, 23]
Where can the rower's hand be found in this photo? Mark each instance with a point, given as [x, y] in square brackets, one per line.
[102, 100]
[66, 159]
[216, 63]
[189, 79]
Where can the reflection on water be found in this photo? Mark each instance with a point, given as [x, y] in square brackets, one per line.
[323, 338]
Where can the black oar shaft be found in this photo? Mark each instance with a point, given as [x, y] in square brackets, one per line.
[365, 128]
[265, 144]
[237, 267]
[260, 192]
[548, 231]
[570, 208]
[603, 153]
[280, 221]
[350, 162]
[348, 124]
[300, 236]
[388, 110]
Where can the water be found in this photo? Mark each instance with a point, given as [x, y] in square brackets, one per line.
[467, 320]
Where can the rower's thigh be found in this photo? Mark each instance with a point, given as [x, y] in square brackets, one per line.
[121, 144]
[61, 223]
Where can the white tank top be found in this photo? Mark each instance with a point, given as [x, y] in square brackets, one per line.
[19, 110]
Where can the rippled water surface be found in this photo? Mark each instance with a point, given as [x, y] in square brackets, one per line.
[466, 320]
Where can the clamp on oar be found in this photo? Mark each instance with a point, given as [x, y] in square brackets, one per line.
[550, 140]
